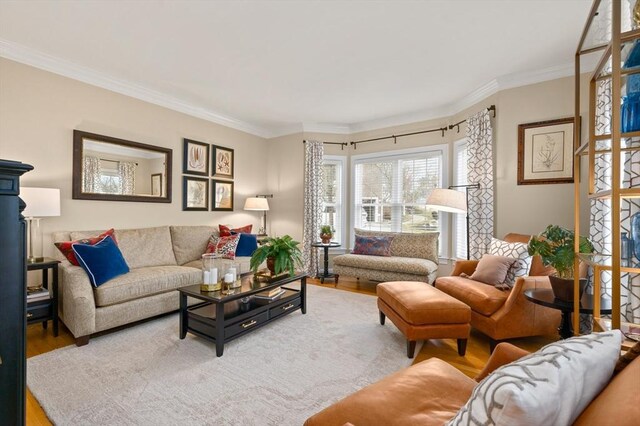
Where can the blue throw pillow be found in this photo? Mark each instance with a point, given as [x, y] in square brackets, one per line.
[247, 245]
[101, 261]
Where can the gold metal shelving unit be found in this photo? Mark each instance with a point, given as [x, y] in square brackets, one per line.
[609, 32]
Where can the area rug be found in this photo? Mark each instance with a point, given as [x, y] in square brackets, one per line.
[278, 375]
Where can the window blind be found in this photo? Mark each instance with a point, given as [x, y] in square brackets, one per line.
[459, 220]
[333, 197]
[390, 192]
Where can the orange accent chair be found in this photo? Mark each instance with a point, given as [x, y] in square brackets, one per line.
[503, 314]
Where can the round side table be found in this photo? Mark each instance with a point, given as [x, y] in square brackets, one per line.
[326, 247]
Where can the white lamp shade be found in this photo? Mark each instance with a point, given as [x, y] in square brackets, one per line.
[447, 200]
[41, 202]
[256, 203]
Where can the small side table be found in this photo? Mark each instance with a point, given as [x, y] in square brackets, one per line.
[47, 309]
[545, 297]
[326, 247]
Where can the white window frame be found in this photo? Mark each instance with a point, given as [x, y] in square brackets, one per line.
[341, 161]
[443, 218]
[457, 147]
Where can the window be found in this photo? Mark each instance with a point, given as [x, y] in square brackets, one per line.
[460, 178]
[333, 212]
[390, 190]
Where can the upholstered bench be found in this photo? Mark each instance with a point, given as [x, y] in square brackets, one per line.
[423, 312]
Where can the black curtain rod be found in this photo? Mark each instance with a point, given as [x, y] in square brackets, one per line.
[342, 144]
[451, 126]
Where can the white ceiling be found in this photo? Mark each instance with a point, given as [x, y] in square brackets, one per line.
[273, 67]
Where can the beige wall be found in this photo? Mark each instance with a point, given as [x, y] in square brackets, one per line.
[39, 111]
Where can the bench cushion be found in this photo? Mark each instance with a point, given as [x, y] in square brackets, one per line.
[407, 265]
[482, 298]
[421, 304]
[427, 393]
[145, 282]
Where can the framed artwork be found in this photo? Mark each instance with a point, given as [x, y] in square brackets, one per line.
[195, 158]
[156, 184]
[222, 195]
[195, 194]
[222, 162]
[545, 152]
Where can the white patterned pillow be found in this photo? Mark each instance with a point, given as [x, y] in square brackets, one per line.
[549, 387]
[518, 251]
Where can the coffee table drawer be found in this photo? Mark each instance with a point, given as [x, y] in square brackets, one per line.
[245, 325]
[284, 307]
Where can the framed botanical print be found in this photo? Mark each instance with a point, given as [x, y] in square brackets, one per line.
[156, 184]
[222, 195]
[222, 160]
[195, 194]
[195, 159]
[545, 152]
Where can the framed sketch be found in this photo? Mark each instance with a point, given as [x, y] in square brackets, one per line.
[195, 194]
[195, 158]
[156, 184]
[222, 195]
[222, 162]
[545, 152]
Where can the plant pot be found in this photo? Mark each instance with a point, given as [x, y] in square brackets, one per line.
[563, 288]
[271, 265]
[326, 238]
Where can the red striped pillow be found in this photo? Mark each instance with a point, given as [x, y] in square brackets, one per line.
[66, 249]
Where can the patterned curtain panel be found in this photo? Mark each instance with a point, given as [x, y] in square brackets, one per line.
[480, 170]
[91, 175]
[313, 203]
[127, 173]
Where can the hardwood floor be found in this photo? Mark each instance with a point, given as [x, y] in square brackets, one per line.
[40, 341]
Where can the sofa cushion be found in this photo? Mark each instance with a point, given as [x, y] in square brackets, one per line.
[224, 246]
[617, 404]
[492, 269]
[190, 242]
[428, 393]
[421, 304]
[549, 387]
[146, 246]
[225, 230]
[145, 282]
[101, 261]
[537, 267]
[66, 248]
[404, 244]
[373, 246]
[247, 244]
[391, 264]
[517, 251]
[482, 298]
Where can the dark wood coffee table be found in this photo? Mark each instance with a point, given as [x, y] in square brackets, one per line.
[545, 297]
[223, 317]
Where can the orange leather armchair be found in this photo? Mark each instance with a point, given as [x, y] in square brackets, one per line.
[503, 314]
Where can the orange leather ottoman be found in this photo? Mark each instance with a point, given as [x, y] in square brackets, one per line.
[423, 312]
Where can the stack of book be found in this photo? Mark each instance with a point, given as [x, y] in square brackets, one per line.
[36, 295]
[268, 296]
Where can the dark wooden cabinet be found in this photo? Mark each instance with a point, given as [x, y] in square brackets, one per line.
[13, 295]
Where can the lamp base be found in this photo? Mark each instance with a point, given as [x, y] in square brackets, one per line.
[35, 259]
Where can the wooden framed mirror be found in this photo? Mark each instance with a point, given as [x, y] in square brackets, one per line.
[111, 169]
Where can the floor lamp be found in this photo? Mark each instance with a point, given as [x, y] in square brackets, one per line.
[452, 201]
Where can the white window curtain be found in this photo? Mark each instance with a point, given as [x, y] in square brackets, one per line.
[127, 173]
[91, 175]
[480, 170]
[460, 178]
[313, 203]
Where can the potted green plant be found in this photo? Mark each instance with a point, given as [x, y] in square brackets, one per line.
[326, 234]
[555, 245]
[281, 253]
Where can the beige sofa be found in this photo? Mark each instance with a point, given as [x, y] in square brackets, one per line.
[414, 257]
[160, 259]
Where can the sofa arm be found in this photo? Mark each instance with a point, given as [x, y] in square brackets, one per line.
[502, 355]
[464, 266]
[78, 305]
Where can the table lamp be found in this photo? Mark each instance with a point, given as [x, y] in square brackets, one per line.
[259, 203]
[41, 202]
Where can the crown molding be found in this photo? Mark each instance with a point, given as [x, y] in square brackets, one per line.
[326, 128]
[526, 78]
[37, 59]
